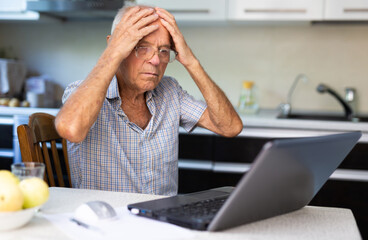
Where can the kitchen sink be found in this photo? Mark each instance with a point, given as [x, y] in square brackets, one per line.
[323, 117]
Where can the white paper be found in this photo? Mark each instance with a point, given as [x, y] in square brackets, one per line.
[126, 226]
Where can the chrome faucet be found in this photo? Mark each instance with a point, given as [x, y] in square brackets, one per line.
[286, 107]
[351, 98]
[322, 88]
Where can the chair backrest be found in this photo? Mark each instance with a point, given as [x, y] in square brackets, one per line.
[34, 140]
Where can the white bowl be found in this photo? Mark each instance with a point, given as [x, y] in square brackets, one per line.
[13, 220]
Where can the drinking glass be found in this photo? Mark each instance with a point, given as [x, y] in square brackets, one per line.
[28, 169]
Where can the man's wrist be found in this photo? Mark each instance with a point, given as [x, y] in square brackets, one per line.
[192, 64]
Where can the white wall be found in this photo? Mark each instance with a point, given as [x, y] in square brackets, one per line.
[271, 56]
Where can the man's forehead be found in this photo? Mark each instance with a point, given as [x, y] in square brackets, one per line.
[160, 36]
[143, 42]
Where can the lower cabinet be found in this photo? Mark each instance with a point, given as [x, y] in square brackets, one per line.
[191, 180]
[6, 146]
[228, 158]
[5, 162]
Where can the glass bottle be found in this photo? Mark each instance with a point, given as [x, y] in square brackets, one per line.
[247, 101]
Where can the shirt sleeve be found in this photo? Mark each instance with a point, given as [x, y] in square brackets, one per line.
[191, 109]
[70, 89]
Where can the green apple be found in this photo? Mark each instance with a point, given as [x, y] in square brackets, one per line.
[11, 197]
[35, 192]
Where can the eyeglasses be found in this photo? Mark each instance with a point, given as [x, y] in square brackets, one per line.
[165, 55]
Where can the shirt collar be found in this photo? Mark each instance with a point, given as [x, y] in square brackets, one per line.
[113, 91]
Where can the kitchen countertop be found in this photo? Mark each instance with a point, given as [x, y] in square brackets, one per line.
[268, 119]
[263, 124]
[266, 124]
[7, 113]
[10, 111]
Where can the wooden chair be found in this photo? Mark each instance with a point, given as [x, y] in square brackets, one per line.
[34, 140]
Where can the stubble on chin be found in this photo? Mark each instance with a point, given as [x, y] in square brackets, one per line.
[150, 83]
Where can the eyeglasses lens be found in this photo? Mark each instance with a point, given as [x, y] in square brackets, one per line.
[146, 53]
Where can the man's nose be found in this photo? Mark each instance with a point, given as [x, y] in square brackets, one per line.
[155, 60]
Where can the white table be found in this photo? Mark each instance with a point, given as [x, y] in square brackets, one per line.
[306, 223]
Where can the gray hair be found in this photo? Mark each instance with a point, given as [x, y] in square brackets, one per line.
[122, 11]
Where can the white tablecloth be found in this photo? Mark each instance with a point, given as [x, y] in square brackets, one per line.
[306, 223]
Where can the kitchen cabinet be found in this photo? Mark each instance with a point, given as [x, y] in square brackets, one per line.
[192, 10]
[346, 10]
[13, 6]
[275, 10]
[10, 118]
[16, 10]
[6, 146]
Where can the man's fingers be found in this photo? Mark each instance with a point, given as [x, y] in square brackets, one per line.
[168, 26]
[168, 20]
[129, 13]
[146, 20]
[165, 14]
[140, 14]
[147, 30]
[134, 20]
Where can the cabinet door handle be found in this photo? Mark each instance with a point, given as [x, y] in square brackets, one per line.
[205, 165]
[350, 175]
[355, 10]
[9, 153]
[225, 167]
[275, 10]
[6, 121]
[189, 11]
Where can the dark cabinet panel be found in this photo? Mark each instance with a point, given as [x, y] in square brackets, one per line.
[6, 139]
[357, 158]
[6, 144]
[191, 180]
[194, 180]
[238, 149]
[225, 179]
[5, 163]
[196, 146]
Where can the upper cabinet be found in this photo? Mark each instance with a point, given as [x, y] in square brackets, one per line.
[192, 10]
[16, 10]
[346, 10]
[197, 11]
[12, 6]
[304, 10]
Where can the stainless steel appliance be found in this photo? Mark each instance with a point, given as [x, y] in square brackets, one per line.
[76, 9]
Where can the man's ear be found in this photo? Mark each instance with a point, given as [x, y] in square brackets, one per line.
[108, 39]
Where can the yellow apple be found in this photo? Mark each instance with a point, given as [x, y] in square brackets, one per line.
[14, 102]
[4, 101]
[35, 192]
[6, 175]
[11, 197]
[25, 103]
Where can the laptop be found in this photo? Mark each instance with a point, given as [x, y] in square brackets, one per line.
[284, 177]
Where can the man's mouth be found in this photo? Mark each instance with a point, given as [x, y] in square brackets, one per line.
[151, 73]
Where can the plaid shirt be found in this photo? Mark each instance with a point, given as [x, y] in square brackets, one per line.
[117, 155]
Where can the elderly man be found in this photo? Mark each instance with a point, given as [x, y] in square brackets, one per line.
[122, 122]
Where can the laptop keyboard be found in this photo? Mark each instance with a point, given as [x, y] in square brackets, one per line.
[202, 209]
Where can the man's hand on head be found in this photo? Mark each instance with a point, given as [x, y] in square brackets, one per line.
[185, 55]
[134, 25]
